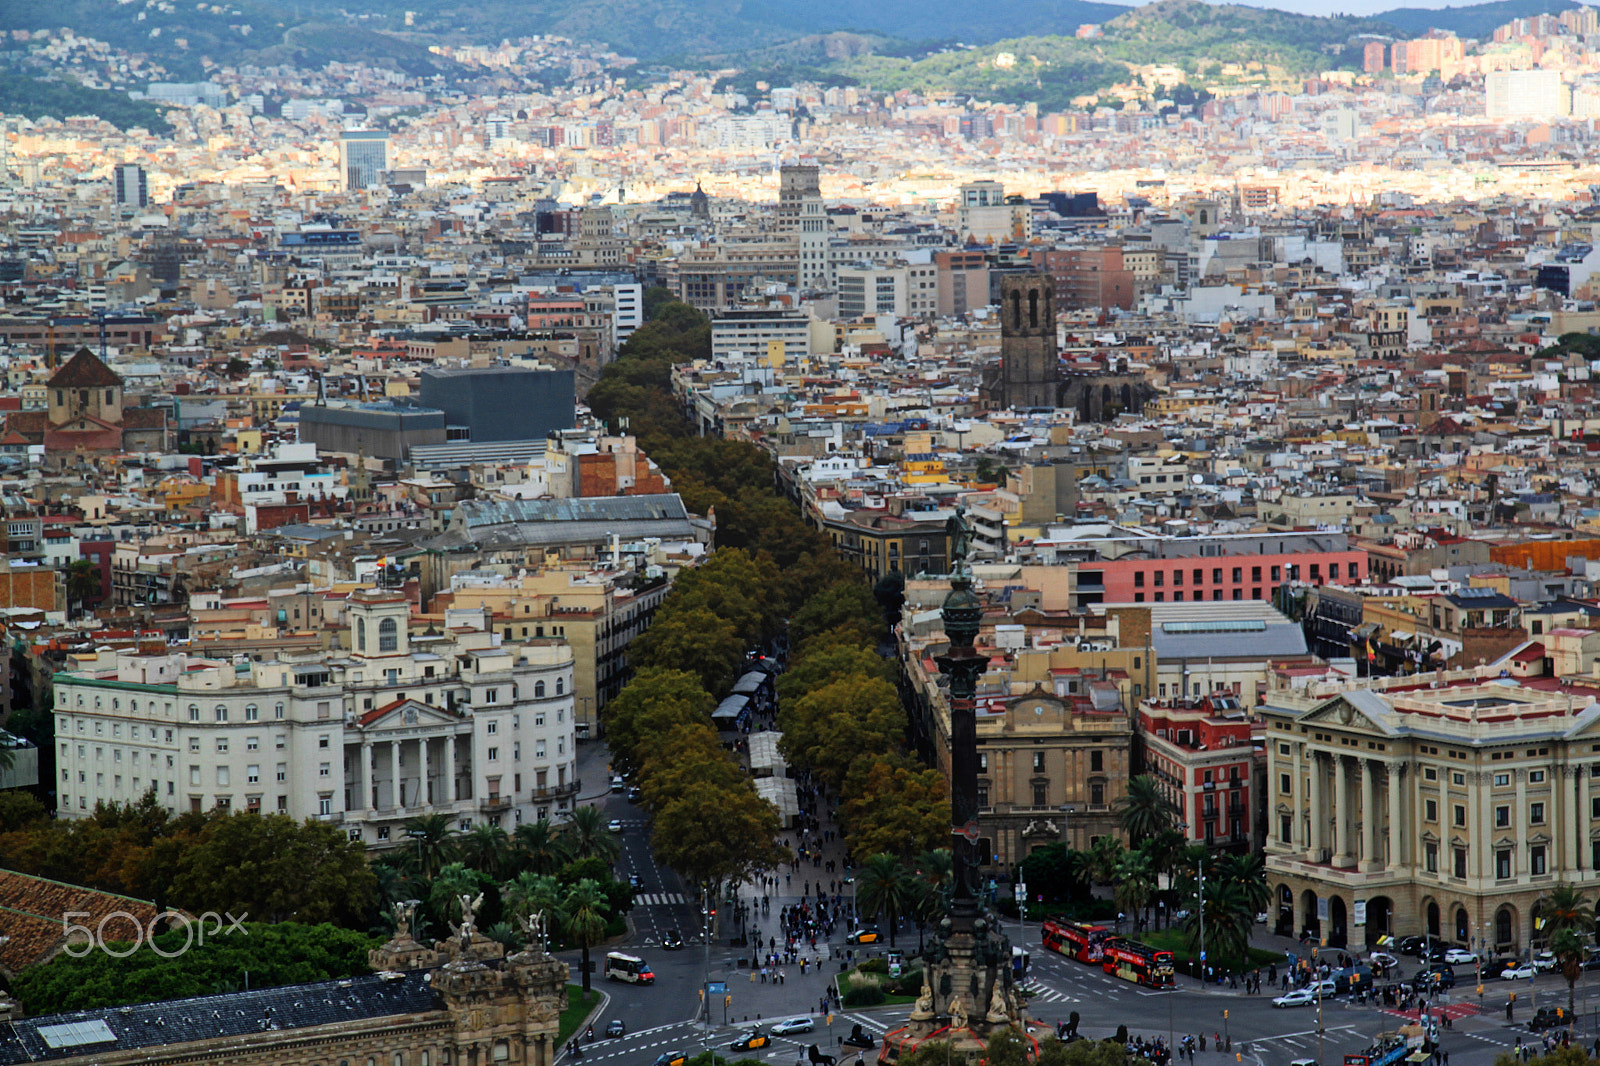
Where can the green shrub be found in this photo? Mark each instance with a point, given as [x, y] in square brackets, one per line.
[863, 996]
[874, 966]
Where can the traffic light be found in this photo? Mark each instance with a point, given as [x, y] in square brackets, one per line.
[727, 1001]
[1224, 1014]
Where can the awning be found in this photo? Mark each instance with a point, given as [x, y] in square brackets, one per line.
[1365, 630]
[1400, 634]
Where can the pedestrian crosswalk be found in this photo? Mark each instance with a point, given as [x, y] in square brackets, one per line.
[1043, 993]
[659, 899]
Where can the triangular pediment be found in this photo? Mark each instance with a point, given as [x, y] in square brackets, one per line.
[1357, 708]
[406, 714]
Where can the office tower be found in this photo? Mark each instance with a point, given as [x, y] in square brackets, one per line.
[1525, 94]
[363, 157]
[132, 185]
[802, 213]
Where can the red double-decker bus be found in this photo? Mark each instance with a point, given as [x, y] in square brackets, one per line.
[1075, 940]
[1133, 961]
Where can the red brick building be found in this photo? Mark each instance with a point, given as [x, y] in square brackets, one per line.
[1203, 753]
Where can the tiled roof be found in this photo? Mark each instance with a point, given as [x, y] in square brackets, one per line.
[85, 371]
[237, 1014]
[33, 907]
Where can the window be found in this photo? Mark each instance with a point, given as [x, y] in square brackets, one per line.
[1097, 761]
[1285, 828]
[1177, 577]
[561, 685]
[1460, 814]
[1458, 779]
[1460, 862]
[1502, 817]
[494, 727]
[361, 634]
[1536, 777]
[1161, 578]
[194, 743]
[1430, 810]
[1502, 864]
[1285, 784]
[494, 753]
[283, 771]
[194, 775]
[1038, 762]
[1536, 865]
[324, 769]
[1238, 574]
[1502, 780]
[1430, 774]
[1430, 857]
[252, 774]
[538, 690]
[1536, 814]
[983, 765]
[388, 635]
[322, 740]
[277, 711]
[324, 804]
[194, 713]
[1097, 793]
[252, 713]
[1041, 795]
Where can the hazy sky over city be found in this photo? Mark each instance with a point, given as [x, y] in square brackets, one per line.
[1338, 7]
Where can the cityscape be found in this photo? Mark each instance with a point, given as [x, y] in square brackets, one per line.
[1066, 535]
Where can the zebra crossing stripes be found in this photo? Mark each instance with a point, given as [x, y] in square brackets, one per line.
[1043, 993]
[659, 899]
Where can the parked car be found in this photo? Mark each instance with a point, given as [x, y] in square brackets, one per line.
[1297, 997]
[616, 1028]
[1460, 957]
[1521, 971]
[1545, 962]
[799, 1024]
[750, 1041]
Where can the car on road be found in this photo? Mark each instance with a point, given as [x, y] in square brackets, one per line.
[1545, 961]
[1410, 945]
[635, 794]
[615, 825]
[635, 882]
[1547, 1018]
[1591, 961]
[616, 1028]
[1433, 979]
[1299, 997]
[859, 1037]
[863, 936]
[617, 783]
[671, 1058]
[673, 940]
[1383, 959]
[750, 1041]
[1521, 971]
[1261, 917]
[799, 1024]
[1460, 957]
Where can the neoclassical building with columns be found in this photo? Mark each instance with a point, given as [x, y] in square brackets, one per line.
[392, 724]
[1440, 804]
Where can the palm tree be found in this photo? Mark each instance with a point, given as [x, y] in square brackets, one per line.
[1249, 872]
[585, 834]
[1569, 948]
[433, 835]
[530, 893]
[1564, 907]
[933, 873]
[882, 887]
[539, 847]
[1228, 918]
[1105, 855]
[487, 849]
[1569, 919]
[583, 919]
[1135, 882]
[1144, 811]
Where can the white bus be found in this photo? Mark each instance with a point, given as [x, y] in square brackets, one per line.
[631, 968]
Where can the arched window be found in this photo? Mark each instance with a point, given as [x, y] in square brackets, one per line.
[277, 711]
[1016, 308]
[133, 705]
[561, 685]
[222, 713]
[1033, 308]
[388, 635]
[538, 690]
[1461, 925]
[1502, 926]
[194, 712]
[361, 634]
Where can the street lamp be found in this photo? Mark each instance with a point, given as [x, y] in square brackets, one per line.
[1183, 827]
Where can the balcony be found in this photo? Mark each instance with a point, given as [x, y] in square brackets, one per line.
[495, 803]
[558, 791]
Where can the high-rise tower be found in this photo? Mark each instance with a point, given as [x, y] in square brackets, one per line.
[363, 157]
[802, 213]
[132, 185]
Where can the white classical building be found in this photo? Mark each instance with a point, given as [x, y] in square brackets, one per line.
[462, 723]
